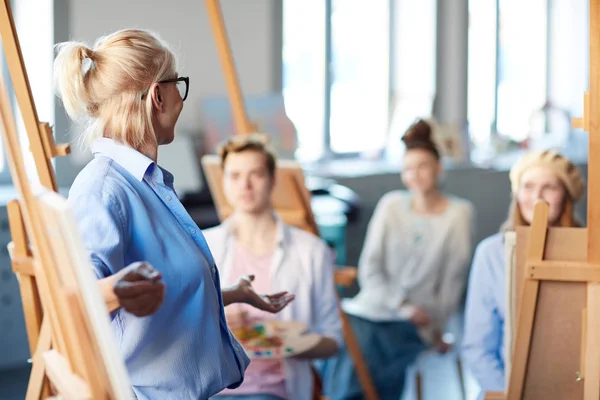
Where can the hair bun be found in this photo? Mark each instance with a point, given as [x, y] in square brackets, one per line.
[420, 132]
[419, 136]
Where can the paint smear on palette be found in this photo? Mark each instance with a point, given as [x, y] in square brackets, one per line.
[258, 344]
[272, 339]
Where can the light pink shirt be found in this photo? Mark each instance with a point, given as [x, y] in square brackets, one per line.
[302, 265]
[262, 376]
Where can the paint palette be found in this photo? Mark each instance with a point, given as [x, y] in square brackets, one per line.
[275, 339]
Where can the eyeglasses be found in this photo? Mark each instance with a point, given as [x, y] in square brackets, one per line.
[183, 89]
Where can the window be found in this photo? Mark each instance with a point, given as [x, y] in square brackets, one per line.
[568, 59]
[303, 73]
[522, 71]
[358, 119]
[413, 77]
[481, 95]
[35, 31]
[336, 75]
[527, 69]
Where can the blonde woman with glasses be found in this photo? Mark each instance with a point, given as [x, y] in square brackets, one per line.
[171, 330]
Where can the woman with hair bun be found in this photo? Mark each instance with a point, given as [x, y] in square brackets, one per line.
[412, 272]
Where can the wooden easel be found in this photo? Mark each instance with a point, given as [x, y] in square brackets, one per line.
[42, 333]
[83, 363]
[556, 352]
[44, 149]
[291, 199]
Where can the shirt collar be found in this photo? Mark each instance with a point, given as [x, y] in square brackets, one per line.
[132, 160]
[280, 237]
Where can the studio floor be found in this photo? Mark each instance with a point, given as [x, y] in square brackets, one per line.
[440, 377]
[440, 381]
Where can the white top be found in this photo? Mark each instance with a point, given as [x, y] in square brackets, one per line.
[302, 265]
[413, 260]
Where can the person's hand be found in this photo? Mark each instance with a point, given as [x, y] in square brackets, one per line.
[139, 289]
[272, 303]
[442, 344]
[419, 317]
[443, 347]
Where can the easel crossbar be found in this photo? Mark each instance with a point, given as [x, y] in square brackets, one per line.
[563, 271]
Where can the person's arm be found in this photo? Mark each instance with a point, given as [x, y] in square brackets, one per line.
[327, 321]
[453, 279]
[103, 227]
[371, 264]
[483, 326]
[231, 295]
[327, 347]
[242, 292]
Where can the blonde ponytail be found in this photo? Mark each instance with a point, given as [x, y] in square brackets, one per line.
[70, 77]
[104, 87]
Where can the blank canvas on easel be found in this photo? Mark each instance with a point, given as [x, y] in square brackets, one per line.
[74, 268]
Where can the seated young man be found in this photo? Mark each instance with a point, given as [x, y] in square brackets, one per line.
[255, 241]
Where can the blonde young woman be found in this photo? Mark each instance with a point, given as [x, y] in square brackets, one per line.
[127, 91]
[546, 176]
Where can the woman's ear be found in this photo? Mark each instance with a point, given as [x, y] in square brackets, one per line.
[156, 95]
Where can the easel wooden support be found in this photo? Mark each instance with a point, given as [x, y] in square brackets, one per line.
[64, 308]
[80, 364]
[556, 353]
[291, 199]
[44, 149]
[43, 328]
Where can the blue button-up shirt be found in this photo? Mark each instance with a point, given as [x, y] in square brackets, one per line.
[483, 342]
[127, 210]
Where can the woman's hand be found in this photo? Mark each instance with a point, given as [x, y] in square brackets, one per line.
[139, 289]
[420, 318]
[272, 303]
[443, 345]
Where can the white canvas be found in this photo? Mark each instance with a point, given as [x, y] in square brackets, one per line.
[94, 306]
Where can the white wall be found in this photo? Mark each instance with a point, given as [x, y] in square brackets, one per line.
[254, 28]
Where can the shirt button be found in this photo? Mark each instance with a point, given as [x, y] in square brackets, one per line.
[193, 231]
[168, 198]
[214, 270]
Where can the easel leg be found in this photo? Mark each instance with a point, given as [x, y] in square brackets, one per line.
[419, 383]
[359, 363]
[461, 378]
[535, 252]
[32, 306]
[592, 351]
[38, 385]
[30, 301]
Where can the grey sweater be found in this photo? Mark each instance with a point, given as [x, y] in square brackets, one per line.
[413, 260]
